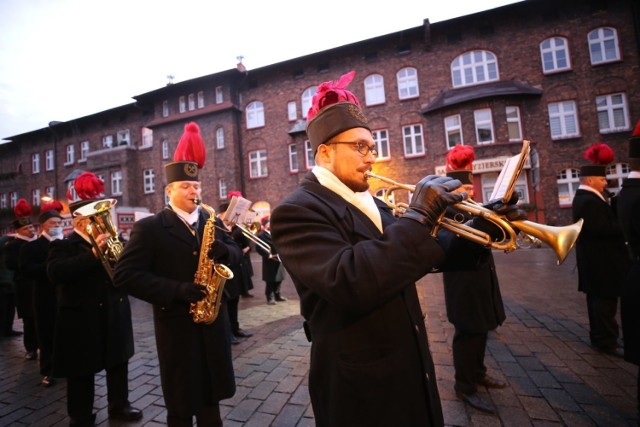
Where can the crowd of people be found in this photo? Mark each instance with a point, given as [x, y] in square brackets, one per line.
[353, 261]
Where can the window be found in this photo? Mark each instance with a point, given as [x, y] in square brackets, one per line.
[50, 191]
[123, 137]
[407, 83]
[613, 113]
[478, 66]
[514, 127]
[413, 142]
[219, 95]
[306, 98]
[310, 155]
[49, 160]
[616, 173]
[107, 141]
[182, 104]
[258, 164]
[222, 189]
[201, 99]
[13, 196]
[374, 90]
[3, 200]
[484, 126]
[255, 115]
[116, 183]
[147, 138]
[292, 113]
[220, 138]
[453, 130]
[555, 55]
[165, 108]
[603, 45]
[71, 191]
[293, 158]
[165, 149]
[148, 177]
[35, 163]
[35, 197]
[381, 138]
[71, 155]
[192, 102]
[84, 151]
[568, 181]
[563, 120]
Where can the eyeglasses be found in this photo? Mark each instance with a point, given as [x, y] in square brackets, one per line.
[362, 148]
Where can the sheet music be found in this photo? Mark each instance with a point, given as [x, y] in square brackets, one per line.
[238, 209]
[509, 174]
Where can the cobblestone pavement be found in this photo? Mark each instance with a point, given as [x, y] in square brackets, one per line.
[555, 378]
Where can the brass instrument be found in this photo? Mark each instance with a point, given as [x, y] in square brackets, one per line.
[209, 274]
[560, 239]
[100, 222]
[251, 232]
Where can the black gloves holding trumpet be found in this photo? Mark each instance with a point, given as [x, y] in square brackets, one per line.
[430, 199]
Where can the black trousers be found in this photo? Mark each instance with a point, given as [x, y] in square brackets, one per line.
[272, 289]
[30, 338]
[468, 359]
[232, 309]
[208, 416]
[45, 320]
[80, 393]
[7, 312]
[603, 326]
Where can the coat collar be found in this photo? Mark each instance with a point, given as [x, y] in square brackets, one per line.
[177, 228]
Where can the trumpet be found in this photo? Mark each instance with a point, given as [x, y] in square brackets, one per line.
[560, 239]
[250, 231]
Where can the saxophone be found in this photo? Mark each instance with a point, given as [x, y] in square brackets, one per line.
[209, 274]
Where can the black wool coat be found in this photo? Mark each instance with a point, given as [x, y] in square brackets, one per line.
[195, 359]
[270, 266]
[93, 325]
[602, 258]
[629, 214]
[23, 285]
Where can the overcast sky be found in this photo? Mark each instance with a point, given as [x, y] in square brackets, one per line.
[64, 59]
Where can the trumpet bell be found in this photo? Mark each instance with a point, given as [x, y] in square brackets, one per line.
[95, 208]
[560, 239]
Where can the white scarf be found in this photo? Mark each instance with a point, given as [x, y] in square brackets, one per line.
[188, 218]
[363, 200]
[593, 190]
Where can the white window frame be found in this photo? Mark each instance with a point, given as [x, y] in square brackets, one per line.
[474, 67]
[219, 94]
[616, 173]
[84, 151]
[306, 99]
[35, 197]
[3, 200]
[512, 113]
[116, 183]
[613, 112]
[255, 115]
[107, 141]
[381, 138]
[165, 108]
[71, 191]
[13, 199]
[149, 178]
[50, 191]
[220, 138]
[309, 155]
[374, 90]
[553, 52]
[222, 189]
[293, 158]
[191, 102]
[147, 137]
[565, 114]
[258, 164]
[483, 120]
[35, 163]
[571, 178]
[407, 79]
[413, 140]
[49, 160]
[165, 149]
[70, 151]
[182, 104]
[453, 126]
[201, 99]
[292, 112]
[123, 137]
[603, 45]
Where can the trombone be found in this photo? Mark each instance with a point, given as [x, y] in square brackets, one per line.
[560, 239]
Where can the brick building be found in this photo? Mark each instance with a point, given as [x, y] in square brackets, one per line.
[563, 75]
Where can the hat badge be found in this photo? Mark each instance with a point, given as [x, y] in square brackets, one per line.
[191, 169]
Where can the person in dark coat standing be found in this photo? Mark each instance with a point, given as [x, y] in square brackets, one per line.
[25, 232]
[272, 270]
[602, 258]
[33, 262]
[629, 215]
[472, 298]
[159, 265]
[7, 294]
[93, 330]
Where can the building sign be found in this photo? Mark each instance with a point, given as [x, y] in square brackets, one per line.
[493, 164]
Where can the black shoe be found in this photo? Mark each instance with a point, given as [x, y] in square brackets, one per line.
[125, 413]
[477, 402]
[616, 352]
[47, 381]
[86, 423]
[241, 333]
[31, 355]
[271, 301]
[247, 295]
[13, 333]
[491, 382]
[280, 298]
[235, 340]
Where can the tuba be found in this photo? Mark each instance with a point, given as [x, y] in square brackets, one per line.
[100, 222]
[209, 274]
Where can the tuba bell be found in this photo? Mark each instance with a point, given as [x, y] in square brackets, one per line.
[100, 222]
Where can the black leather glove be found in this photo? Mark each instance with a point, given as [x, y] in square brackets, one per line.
[431, 197]
[509, 210]
[190, 292]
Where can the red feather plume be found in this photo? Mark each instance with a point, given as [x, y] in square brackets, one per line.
[230, 194]
[88, 186]
[636, 131]
[52, 205]
[329, 93]
[460, 157]
[22, 208]
[599, 154]
[191, 146]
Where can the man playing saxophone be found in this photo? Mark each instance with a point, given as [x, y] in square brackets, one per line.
[158, 265]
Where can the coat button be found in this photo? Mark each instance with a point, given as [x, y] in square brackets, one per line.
[195, 253]
[427, 376]
[417, 328]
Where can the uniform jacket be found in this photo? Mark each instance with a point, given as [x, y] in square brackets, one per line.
[93, 323]
[370, 359]
[195, 359]
[600, 251]
[270, 266]
[33, 262]
[23, 286]
[629, 214]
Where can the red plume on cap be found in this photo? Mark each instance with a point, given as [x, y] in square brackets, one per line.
[52, 205]
[636, 131]
[599, 154]
[230, 194]
[22, 208]
[88, 186]
[331, 93]
[460, 157]
[191, 146]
